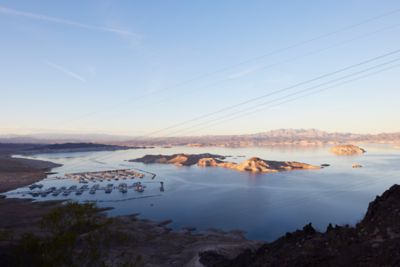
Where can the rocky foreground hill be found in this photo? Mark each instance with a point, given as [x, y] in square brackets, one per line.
[253, 164]
[374, 241]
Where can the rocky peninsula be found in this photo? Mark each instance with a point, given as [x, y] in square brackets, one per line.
[347, 150]
[17, 172]
[73, 147]
[253, 164]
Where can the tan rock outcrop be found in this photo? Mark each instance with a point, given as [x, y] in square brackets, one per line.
[208, 162]
[347, 150]
[259, 165]
[254, 164]
[177, 159]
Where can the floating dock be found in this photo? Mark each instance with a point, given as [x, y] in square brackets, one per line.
[63, 191]
[100, 176]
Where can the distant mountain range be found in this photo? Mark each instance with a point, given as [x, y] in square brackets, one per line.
[52, 138]
[305, 137]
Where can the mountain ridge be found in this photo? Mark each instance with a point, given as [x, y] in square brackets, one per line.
[273, 137]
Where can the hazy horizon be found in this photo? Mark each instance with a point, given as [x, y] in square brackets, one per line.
[49, 135]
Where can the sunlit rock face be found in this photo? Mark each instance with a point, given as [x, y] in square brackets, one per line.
[177, 159]
[253, 164]
[208, 162]
[259, 165]
[347, 150]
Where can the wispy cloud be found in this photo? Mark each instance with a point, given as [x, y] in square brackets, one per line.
[35, 16]
[65, 71]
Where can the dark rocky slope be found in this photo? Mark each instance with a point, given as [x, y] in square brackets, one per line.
[375, 241]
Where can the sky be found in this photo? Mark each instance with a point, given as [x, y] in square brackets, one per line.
[163, 68]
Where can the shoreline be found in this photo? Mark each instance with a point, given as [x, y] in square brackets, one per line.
[19, 172]
[155, 242]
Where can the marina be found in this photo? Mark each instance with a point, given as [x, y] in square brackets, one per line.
[63, 191]
[97, 178]
[108, 175]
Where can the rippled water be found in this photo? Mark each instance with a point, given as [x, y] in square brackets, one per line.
[264, 205]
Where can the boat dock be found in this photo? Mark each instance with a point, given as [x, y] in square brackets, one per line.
[64, 191]
[103, 181]
[108, 175]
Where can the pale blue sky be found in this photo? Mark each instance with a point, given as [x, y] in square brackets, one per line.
[114, 66]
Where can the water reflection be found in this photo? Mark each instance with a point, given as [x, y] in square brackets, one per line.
[264, 205]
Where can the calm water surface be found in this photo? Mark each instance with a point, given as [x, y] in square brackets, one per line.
[264, 205]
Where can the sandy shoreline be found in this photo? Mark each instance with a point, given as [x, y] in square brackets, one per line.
[18, 172]
[22, 214]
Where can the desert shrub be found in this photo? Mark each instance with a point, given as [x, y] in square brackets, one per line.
[6, 235]
[71, 238]
[74, 217]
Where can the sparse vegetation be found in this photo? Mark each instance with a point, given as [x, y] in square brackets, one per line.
[71, 237]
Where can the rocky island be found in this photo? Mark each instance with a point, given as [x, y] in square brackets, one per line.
[253, 164]
[177, 159]
[347, 150]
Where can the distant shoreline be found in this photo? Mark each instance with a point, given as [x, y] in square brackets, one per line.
[279, 137]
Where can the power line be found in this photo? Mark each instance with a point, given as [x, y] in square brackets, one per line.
[296, 93]
[285, 99]
[223, 69]
[276, 92]
[302, 96]
[194, 90]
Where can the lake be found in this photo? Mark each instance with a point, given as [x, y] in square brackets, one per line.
[265, 206]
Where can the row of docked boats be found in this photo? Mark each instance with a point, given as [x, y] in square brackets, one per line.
[34, 186]
[138, 187]
[109, 175]
[66, 191]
